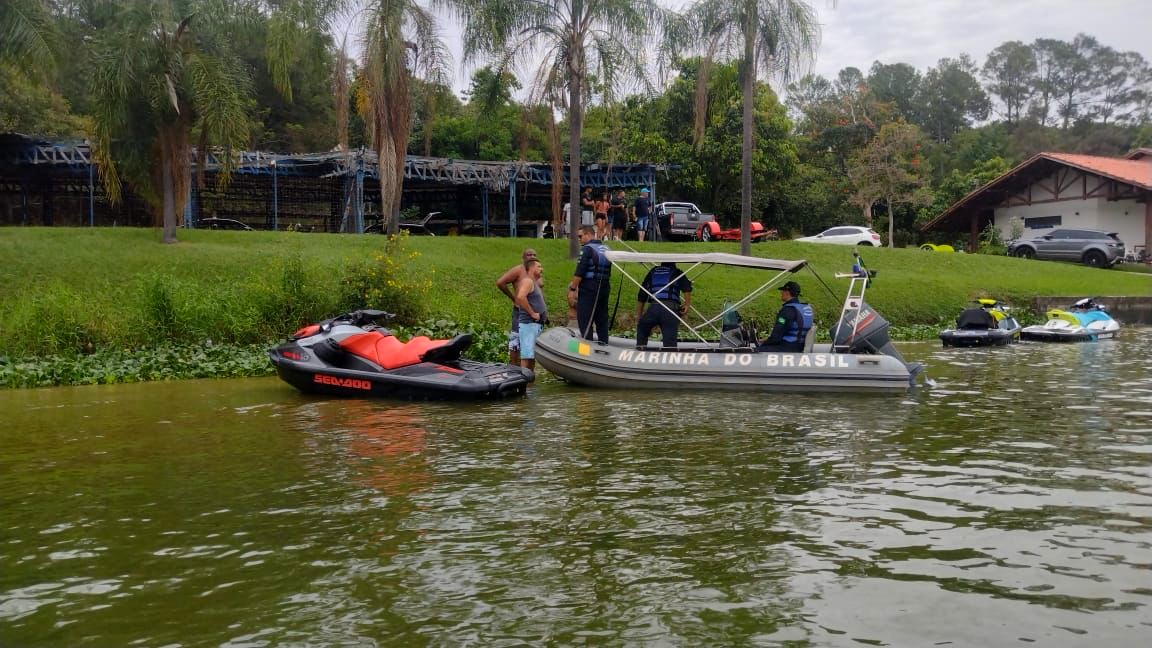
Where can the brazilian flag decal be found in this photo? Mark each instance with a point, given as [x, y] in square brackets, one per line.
[578, 346]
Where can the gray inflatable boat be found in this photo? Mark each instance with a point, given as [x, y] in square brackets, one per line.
[861, 357]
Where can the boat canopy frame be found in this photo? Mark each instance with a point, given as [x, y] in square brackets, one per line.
[705, 262]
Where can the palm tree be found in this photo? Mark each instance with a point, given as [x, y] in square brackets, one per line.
[572, 45]
[780, 35]
[400, 39]
[26, 33]
[161, 78]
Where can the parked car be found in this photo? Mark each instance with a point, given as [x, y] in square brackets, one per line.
[222, 224]
[1097, 248]
[680, 219]
[845, 235]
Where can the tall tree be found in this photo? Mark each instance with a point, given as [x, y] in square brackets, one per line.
[808, 101]
[951, 98]
[161, 78]
[1073, 82]
[400, 40]
[779, 36]
[897, 84]
[1010, 71]
[1046, 51]
[891, 169]
[568, 44]
[1117, 75]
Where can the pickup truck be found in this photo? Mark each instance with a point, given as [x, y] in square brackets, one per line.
[680, 220]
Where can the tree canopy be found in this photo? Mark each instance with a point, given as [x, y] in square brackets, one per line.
[147, 81]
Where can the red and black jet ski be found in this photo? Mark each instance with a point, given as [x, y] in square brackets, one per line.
[349, 355]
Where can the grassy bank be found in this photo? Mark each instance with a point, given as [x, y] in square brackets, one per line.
[89, 291]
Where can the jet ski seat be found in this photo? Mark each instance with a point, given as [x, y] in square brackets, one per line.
[449, 352]
[389, 352]
[975, 319]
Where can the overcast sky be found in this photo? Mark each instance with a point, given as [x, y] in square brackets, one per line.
[921, 32]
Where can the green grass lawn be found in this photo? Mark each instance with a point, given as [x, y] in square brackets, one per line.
[67, 289]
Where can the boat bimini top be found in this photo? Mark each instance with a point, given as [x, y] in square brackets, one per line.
[692, 266]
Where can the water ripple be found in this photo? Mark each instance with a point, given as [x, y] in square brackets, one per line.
[1010, 503]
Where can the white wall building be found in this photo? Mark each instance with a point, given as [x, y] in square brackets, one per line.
[1062, 190]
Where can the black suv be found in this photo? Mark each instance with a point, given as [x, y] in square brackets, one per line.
[1096, 248]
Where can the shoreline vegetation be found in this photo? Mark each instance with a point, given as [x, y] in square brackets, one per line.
[93, 306]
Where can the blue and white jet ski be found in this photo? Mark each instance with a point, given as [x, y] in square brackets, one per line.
[1084, 321]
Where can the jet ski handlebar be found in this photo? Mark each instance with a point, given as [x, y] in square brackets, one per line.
[362, 317]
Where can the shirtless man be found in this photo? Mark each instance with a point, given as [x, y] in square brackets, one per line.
[507, 285]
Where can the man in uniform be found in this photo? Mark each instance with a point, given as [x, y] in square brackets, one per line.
[507, 285]
[792, 322]
[590, 286]
[668, 285]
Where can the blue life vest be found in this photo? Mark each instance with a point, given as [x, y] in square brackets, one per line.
[662, 285]
[602, 268]
[797, 330]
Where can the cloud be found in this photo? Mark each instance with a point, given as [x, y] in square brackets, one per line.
[920, 32]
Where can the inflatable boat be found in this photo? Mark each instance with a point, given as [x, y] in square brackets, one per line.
[860, 358]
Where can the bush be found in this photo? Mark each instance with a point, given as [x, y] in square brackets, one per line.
[991, 242]
[383, 283]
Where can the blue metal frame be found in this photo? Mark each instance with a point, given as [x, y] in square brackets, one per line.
[361, 164]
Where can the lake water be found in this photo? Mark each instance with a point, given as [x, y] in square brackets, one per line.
[1010, 504]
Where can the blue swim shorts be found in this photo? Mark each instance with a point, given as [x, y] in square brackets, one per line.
[528, 335]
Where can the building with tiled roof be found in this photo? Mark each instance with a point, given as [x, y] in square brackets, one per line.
[1062, 190]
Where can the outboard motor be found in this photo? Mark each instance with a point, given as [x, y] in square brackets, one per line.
[871, 334]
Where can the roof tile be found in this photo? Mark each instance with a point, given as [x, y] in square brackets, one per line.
[1137, 172]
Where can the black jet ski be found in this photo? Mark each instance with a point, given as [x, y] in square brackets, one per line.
[349, 355]
[989, 324]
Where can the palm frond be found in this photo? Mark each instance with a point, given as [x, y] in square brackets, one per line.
[27, 35]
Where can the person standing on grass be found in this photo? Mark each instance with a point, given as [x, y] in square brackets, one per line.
[643, 207]
[587, 207]
[533, 311]
[603, 229]
[618, 212]
[507, 285]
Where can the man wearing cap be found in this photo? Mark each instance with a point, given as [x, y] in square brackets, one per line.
[792, 322]
[643, 207]
[507, 284]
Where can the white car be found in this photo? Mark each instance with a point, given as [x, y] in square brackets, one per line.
[845, 235]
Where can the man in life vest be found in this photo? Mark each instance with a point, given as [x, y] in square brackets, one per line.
[590, 285]
[673, 296]
[792, 322]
